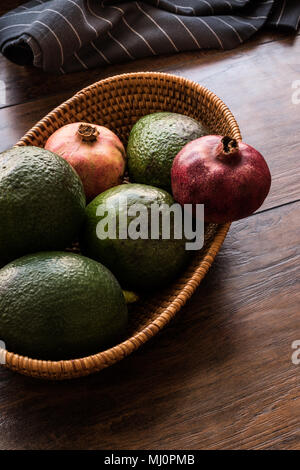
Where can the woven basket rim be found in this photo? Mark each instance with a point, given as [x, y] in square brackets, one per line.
[141, 75]
[72, 368]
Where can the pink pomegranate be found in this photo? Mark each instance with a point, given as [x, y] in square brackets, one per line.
[95, 152]
[230, 178]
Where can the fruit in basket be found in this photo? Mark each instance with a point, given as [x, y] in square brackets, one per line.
[138, 264]
[42, 202]
[154, 142]
[95, 152]
[57, 305]
[230, 178]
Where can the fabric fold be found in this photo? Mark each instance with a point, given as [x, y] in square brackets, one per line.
[72, 35]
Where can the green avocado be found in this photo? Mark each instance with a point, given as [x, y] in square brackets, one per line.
[138, 264]
[57, 305]
[42, 202]
[154, 142]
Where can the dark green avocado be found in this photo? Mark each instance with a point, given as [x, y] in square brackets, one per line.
[140, 264]
[56, 305]
[153, 144]
[42, 202]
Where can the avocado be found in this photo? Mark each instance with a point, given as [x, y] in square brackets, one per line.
[154, 142]
[42, 202]
[57, 305]
[138, 264]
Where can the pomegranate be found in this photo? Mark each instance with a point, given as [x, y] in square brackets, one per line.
[230, 178]
[95, 152]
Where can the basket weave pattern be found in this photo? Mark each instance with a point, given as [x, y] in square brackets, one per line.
[117, 103]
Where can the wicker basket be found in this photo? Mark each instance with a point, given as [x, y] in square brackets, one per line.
[117, 103]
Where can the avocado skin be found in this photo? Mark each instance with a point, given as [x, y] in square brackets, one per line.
[57, 305]
[154, 142]
[139, 265]
[42, 202]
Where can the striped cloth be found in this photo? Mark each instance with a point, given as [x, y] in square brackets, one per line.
[71, 35]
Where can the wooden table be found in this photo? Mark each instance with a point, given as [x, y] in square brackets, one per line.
[221, 375]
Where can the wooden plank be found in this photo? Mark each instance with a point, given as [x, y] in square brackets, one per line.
[28, 83]
[10, 5]
[219, 377]
[16, 120]
[255, 83]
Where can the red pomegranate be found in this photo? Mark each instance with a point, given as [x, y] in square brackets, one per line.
[95, 152]
[230, 178]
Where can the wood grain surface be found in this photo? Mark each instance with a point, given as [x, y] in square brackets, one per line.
[220, 376]
[8, 5]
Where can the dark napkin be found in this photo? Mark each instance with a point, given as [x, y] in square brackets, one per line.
[71, 35]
